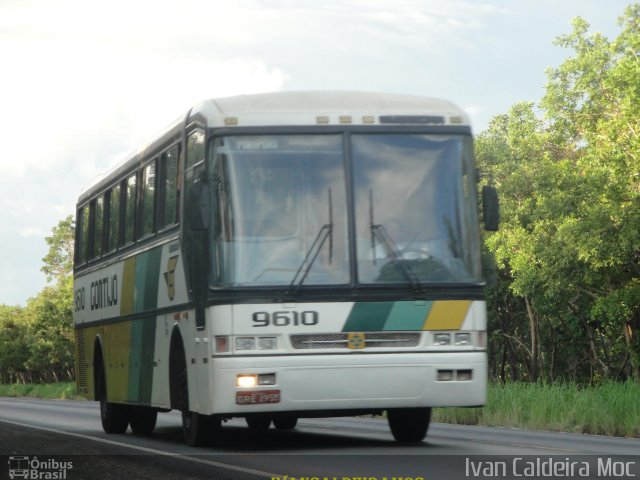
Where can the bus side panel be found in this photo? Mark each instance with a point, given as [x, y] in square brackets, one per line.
[160, 396]
[116, 342]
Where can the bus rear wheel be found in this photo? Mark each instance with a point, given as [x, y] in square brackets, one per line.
[143, 420]
[409, 425]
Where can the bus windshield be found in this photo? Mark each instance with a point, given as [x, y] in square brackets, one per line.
[280, 209]
[281, 213]
[415, 209]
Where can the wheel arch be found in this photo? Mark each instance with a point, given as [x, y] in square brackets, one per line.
[98, 365]
[177, 363]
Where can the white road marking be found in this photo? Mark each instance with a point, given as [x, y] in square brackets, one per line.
[180, 456]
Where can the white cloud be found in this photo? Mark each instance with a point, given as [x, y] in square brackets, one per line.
[85, 82]
[32, 232]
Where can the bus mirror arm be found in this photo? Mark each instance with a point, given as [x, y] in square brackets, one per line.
[490, 208]
[199, 205]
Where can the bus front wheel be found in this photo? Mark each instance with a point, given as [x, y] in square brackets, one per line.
[283, 422]
[409, 425]
[258, 423]
[199, 430]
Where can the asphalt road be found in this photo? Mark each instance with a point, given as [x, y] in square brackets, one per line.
[64, 440]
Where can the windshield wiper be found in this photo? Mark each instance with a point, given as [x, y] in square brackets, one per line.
[325, 232]
[380, 231]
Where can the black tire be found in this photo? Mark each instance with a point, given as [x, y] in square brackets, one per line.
[285, 422]
[143, 420]
[114, 416]
[199, 430]
[259, 423]
[409, 425]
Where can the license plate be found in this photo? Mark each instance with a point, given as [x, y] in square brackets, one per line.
[258, 398]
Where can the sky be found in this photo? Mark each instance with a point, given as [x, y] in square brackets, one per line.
[84, 82]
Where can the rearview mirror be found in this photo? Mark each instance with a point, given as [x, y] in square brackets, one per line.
[490, 209]
[198, 205]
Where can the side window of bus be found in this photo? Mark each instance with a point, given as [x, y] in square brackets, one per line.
[147, 205]
[97, 217]
[82, 235]
[130, 209]
[170, 197]
[195, 148]
[113, 218]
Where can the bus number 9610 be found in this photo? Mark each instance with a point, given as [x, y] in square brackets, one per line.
[285, 319]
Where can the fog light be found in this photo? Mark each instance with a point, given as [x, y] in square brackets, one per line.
[267, 343]
[246, 381]
[441, 339]
[245, 343]
[464, 375]
[267, 379]
[445, 375]
[462, 339]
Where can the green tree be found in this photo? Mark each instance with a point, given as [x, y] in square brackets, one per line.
[50, 325]
[36, 342]
[13, 345]
[593, 102]
[58, 263]
[569, 249]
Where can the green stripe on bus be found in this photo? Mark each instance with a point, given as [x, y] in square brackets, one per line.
[143, 331]
[407, 316]
[147, 278]
[153, 277]
[367, 316]
[141, 358]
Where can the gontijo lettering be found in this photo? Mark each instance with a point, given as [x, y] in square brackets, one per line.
[104, 292]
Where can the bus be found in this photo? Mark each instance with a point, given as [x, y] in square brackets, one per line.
[286, 255]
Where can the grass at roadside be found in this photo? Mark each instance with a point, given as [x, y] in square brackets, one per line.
[606, 409]
[64, 391]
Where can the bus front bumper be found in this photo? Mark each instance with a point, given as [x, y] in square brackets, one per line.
[318, 383]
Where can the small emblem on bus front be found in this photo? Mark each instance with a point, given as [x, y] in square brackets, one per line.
[356, 341]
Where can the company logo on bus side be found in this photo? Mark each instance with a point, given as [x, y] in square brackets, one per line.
[103, 293]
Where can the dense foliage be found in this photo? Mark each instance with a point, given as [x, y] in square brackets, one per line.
[565, 303]
[36, 341]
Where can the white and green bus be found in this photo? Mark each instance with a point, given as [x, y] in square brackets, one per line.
[287, 255]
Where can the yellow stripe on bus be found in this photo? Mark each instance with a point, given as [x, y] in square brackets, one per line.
[447, 315]
[128, 285]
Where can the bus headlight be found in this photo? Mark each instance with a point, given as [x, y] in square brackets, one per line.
[462, 338]
[442, 339]
[256, 343]
[267, 343]
[245, 343]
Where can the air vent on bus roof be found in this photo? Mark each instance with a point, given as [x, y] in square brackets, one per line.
[412, 119]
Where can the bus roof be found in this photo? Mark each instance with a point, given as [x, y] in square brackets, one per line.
[310, 108]
[329, 108]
